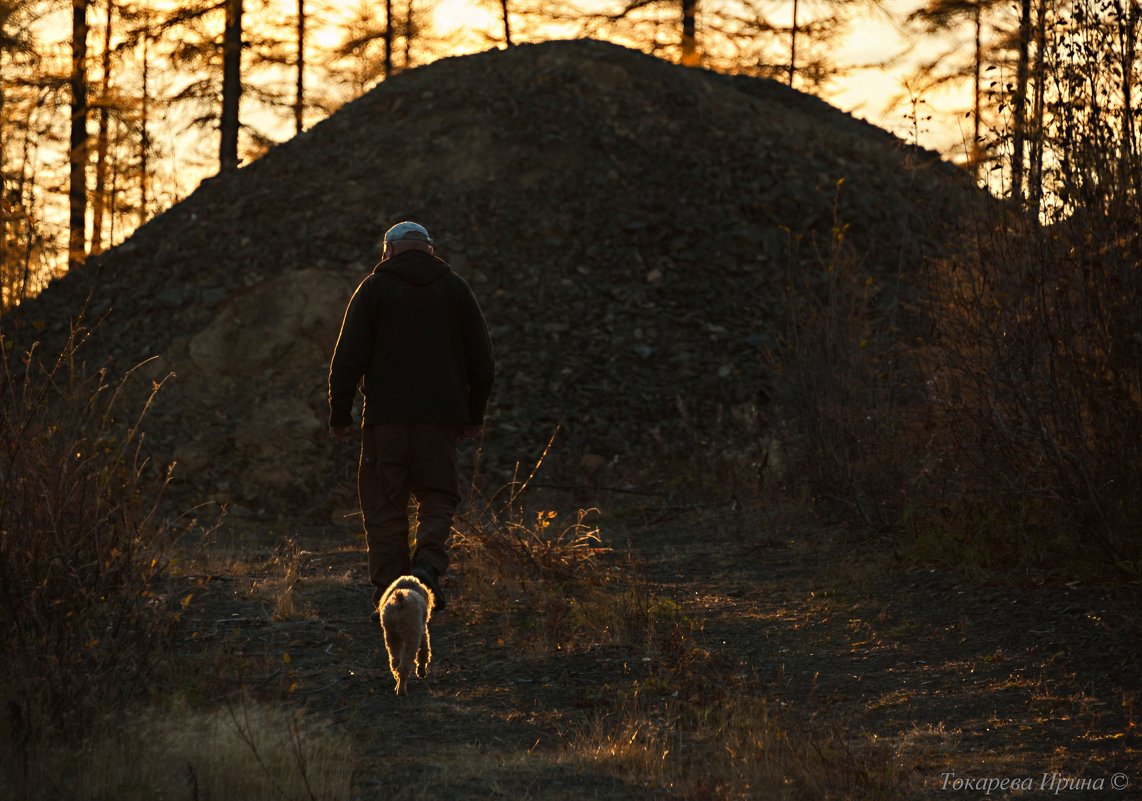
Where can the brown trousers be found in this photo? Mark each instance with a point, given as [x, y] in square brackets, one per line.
[398, 461]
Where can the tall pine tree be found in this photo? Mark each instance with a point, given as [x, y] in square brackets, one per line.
[943, 17]
[231, 87]
[77, 156]
[103, 104]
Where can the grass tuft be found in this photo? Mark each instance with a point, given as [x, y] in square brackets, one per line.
[250, 751]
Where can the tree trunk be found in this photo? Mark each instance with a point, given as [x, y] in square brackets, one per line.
[408, 34]
[23, 195]
[793, 45]
[1130, 166]
[507, 23]
[77, 154]
[18, 194]
[113, 205]
[6, 212]
[299, 97]
[978, 90]
[690, 56]
[231, 86]
[1019, 121]
[388, 39]
[7, 215]
[144, 134]
[99, 197]
[1035, 175]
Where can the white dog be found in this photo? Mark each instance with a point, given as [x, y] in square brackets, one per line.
[405, 609]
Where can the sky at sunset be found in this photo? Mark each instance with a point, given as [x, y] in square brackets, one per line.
[876, 55]
[876, 52]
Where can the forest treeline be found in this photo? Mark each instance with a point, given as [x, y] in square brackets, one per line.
[111, 110]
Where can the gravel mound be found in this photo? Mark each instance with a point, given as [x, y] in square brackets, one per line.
[626, 224]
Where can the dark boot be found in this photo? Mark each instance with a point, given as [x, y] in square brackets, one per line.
[431, 580]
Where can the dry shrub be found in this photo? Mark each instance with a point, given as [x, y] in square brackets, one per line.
[81, 544]
[705, 730]
[1035, 383]
[249, 751]
[284, 590]
[500, 532]
[546, 582]
[842, 387]
[549, 577]
[514, 544]
[999, 421]
[1035, 372]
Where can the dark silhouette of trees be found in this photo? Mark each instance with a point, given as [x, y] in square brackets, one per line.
[1019, 101]
[737, 37]
[103, 104]
[944, 16]
[299, 94]
[1042, 82]
[691, 57]
[632, 15]
[355, 58]
[18, 235]
[520, 20]
[146, 20]
[505, 16]
[77, 151]
[231, 87]
[214, 65]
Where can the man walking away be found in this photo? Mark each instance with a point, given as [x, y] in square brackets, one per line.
[416, 335]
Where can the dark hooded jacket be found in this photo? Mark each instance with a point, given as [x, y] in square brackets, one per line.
[414, 331]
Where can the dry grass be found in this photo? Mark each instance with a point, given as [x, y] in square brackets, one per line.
[249, 751]
[83, 546]
[855, 576]
[695, 725]
[513, 543]
[984, 406]
[600, 601]
[273, 578]
[283, 590]
[704, 732]
[579, 591]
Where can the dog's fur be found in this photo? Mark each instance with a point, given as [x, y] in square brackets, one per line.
[405, 610]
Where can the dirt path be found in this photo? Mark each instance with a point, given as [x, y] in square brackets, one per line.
[956, 678]
[960, 677]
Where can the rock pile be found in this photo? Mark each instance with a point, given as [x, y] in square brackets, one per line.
[626, 224]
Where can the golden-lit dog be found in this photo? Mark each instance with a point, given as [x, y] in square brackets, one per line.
[405, 610]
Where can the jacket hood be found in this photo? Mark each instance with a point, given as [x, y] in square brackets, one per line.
[415, 266]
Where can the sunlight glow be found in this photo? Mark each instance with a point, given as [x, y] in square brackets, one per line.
[453, 15]
[877, 59]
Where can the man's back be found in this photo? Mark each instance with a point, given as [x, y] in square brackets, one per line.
[416, 334]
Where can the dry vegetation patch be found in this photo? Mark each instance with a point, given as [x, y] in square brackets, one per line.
[690, 721]
[83, 547]
[244, 750]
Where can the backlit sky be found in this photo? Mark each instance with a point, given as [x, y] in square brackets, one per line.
[875, 93]
[878, 94]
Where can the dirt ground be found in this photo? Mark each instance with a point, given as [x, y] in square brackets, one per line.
[960, 679]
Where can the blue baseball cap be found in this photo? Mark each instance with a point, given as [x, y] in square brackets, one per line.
[407, 230]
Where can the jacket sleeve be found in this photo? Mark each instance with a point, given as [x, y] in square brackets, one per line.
[352, 355]
[481, 362]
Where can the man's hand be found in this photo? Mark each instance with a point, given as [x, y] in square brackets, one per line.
[341, 434]
[471, 432]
